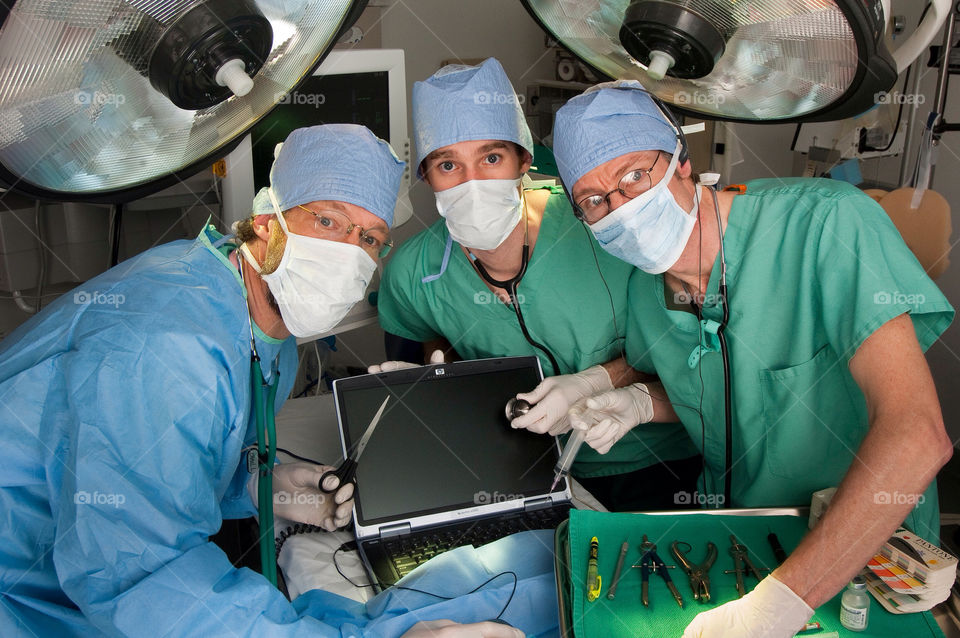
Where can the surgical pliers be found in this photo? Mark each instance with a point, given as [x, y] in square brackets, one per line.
[699, 574]
[742, 562]
[650, 562]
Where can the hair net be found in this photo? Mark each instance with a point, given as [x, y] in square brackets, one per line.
[609, 120]
[464, 103]
[337, 162]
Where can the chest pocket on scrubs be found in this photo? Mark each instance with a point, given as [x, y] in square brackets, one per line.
[584, 359]
[810, 418]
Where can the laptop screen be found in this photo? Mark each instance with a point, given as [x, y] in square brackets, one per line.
[443, 442]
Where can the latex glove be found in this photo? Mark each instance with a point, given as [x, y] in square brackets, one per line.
[771, 610]
[607, 417]
[450, 629]
[297, 495]
[555, 395]
[389, 366]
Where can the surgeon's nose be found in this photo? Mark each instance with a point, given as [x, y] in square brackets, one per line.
[616, 199]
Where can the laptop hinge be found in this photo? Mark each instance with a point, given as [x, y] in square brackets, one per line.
[394, 530]
[537, 503]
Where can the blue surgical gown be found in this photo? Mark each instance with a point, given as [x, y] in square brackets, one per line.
[124, 407]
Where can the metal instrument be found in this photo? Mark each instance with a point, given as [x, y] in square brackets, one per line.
[348, 469]
[616, 572]
[742, 563]
[517, 407]
[651, 563]
[699, 574]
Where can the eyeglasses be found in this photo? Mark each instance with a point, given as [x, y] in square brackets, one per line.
[331, 224]
[631, 184]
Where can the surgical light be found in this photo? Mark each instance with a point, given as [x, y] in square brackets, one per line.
[743, 60]
[110, 100]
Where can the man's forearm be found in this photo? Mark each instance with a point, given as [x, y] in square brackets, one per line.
[892, 459]
[622, 375]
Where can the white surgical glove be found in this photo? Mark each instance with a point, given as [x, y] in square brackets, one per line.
[450, 629]
[389, 366]
[553, 397]
[297, 495]
[771, 610]
[607, 417]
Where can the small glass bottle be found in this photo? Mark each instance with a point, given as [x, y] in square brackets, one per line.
[855, 605]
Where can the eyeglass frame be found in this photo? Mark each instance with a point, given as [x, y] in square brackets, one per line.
[582, 214]
[384, 250]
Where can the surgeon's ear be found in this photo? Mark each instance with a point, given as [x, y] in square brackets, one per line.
[261, 226]
[684, 170]
[526, 160]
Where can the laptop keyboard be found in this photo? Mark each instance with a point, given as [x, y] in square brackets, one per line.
[410, 551]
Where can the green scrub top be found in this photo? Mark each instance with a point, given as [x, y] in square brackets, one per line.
[814, 267]
[430, 290]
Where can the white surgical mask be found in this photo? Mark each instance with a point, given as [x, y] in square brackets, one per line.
[481, 213]
[651, 230]
[318, 280]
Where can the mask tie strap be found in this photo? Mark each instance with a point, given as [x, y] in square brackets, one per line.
[443, 264]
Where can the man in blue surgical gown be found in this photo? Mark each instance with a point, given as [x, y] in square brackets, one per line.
[125, 405]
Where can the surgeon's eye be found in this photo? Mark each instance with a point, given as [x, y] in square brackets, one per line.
[326, 222]
[492, 158]
[445, 166]
[592, 202]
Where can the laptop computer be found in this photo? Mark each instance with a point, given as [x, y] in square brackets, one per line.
[443, 468]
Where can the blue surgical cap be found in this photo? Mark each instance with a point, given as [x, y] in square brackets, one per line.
[462, 103]
[608, 121]
[336, 162]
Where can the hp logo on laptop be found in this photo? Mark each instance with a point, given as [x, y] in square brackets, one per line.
[439, 372]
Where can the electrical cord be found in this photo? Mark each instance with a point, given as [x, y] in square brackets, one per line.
[352, 546]
[348, 547]
[292, 530]
[513, 592]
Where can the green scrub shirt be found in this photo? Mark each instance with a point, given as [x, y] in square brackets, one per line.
[565, 305]
[814, 267]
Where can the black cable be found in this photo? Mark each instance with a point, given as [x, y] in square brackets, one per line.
[42, 254]
[346, 547]
[896, 127]
[727, 407]
[510, 285]
[298, 457]
[292, 530]
[352, 546]
[516, 580]
[526, 333]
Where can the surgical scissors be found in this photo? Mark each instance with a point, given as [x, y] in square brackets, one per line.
[699, 574]
[348, 469]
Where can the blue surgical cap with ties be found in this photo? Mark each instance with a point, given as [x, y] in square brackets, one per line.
[334, 162]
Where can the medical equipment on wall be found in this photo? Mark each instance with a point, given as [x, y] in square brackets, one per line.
[110, 101]
[750, 61]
